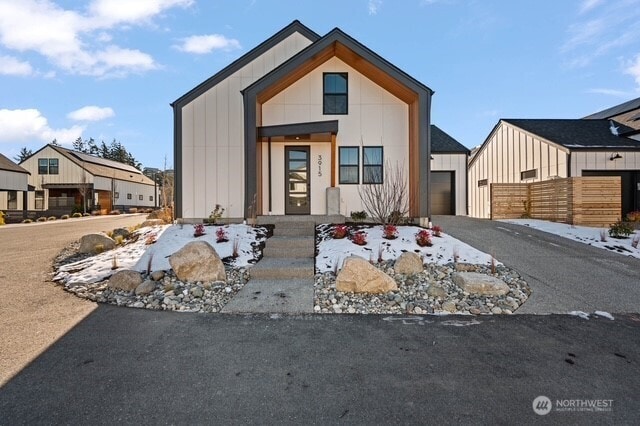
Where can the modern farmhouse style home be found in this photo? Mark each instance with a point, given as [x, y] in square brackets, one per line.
[13, 185]
[295, 126]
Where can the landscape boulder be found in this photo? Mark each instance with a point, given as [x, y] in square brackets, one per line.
[359, 276]
[145, 288]
[480, 284]
[95, 243]
[122, 232]
[437, 291]
[125, 280]
[197, 261]
[408, 263]
[152, 222]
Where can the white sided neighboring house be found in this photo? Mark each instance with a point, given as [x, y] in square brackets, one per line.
[13, 185]
[449, 159]
[63, 178]
[295, 126]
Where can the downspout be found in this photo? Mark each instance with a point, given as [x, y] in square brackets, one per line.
[269, 170]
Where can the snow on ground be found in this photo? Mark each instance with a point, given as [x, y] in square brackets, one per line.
[332, 252]
[168, 240]
[584, 234]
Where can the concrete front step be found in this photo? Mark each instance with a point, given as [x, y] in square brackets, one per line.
[315, 219]
[285, 230]
[273, 296]
[307, 251]
[282, 268]
[291, 242]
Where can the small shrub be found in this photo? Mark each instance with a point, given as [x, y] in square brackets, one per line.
[114, 212]
[395, 217]
[359, 238]
[216, 214]
[77, 214]
[86, 214]
[119, 239]
[64, 217]
[390, 232]
[133, 210]
[1, 218]
[42, 219]
[633, 216]
[340, 231]
[114, 262]
[358, 216]
[198, 230]
[423, 238]
[437, 231]
[99, 248]
[221, 236]
[52, 218]
[27, 221]
[620, 229]
[151, 239]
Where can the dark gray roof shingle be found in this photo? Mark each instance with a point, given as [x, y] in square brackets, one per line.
[443, 143]
[615, 110]
[10, 166]
[577, 134]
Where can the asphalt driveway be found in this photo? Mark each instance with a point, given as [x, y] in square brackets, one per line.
[564, 275]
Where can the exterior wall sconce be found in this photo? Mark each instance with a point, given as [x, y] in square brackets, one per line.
[615, 156]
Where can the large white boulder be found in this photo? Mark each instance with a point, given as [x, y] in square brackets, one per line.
[198, 261]
[359, 276]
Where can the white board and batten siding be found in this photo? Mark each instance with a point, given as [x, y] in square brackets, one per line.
[601, 160]
[68, 171]
[456, 163]
[213, 137]
[375, 118]
[508, 152]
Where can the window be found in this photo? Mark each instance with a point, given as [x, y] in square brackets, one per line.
[528, 174]
[12, 200]
[43, 166]
[372, 160]
[483, 182]
[116, 195]
[128, 196]
[39, 200]
[140, 197]
[335, 93]
[150, 197]
[349, 165]
[53, 166]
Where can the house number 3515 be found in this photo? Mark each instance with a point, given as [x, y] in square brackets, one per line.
[319, 165]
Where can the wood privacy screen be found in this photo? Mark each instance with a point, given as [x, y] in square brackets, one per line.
[589, 201]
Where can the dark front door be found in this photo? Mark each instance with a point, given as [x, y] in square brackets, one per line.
[297, 185]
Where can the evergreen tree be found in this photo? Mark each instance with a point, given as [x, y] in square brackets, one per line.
[23, 155]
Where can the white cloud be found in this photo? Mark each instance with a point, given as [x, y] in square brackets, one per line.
[12, 66]
[373, 6]
[203, 44]
[610, 92]
[91, 113]
[588, 5]
[67, 38]
[25, 125]
[633, 69]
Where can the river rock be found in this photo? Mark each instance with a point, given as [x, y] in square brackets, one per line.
[145, 288]
[359, 276]
[125, 280]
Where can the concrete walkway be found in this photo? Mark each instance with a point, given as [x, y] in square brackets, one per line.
[564, 275]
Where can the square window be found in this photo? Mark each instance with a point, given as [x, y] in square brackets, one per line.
[128, 196]
[53, 166]
[335, 93]
[372, 160]
[349, 165]
[43, 166]
[140, 197]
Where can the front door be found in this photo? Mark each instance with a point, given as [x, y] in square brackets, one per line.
[297, 185]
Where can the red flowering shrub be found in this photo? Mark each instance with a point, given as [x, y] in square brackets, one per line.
[340, 231]
[423, 238]
[359, 238]
[390, 232]
[198, 230]
[221, 235]
[437, 231]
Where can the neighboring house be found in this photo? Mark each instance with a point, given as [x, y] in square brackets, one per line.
[449, 160]
[295, 126]
[531, 150]
[63, 178]
[13, 185]
[627, 114]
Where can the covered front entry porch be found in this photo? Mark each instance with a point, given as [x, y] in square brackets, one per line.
[296, 169]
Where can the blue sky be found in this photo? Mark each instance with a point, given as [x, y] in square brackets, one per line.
[108, 69]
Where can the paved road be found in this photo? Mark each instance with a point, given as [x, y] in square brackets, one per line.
[33, 312]
[129, 366]
[564, 275]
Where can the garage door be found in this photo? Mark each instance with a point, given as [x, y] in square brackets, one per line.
[442, 193]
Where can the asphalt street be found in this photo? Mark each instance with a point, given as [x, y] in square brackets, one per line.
[129, 366]
[564, 275]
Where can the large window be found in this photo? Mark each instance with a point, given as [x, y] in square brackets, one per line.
[12, 200]
[349, 165]
[39, 200]
[372, 160]
[48, 166]
[335, 93]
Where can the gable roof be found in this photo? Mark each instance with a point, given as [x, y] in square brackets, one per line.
[615, 110]
[294, 27]
[10, 166]
[578, 134]
[443, 143]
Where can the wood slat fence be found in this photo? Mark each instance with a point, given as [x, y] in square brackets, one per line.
[590, 201]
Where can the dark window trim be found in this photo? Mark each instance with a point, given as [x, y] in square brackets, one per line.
[529, 174]
[12, 200]
[43, 170]
[345, 94]
[381, 165]
[483, 182]
[53, 161]
[357, 165]
[129, 196]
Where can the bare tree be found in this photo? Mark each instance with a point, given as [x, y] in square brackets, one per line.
[386, 202]
[83, 188]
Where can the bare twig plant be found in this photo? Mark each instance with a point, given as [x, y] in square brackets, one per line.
[386, 202]
[456, 254]
[603, 235]
[236, 247]
[493, 263]
[635, 241]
